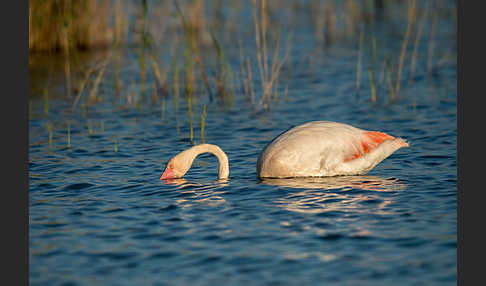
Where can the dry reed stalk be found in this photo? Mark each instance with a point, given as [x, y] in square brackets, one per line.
[191, 31]
[267, 77]
[382, 71]
[46, 101]
[431, 44]
[81, 88]
[161, 77]
[162, 110]
[203, 123]
[92, 94]
[189, 111]
[90, 128]
[250, 80]
[358, 68]
[69, 135]
[154, 92]
[67, 63]
[242, 70]
[411, 16]
[416, 43]
[389, 81]
[373, 85]
[50, 129]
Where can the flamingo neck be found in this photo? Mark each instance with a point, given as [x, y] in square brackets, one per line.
[223, 163]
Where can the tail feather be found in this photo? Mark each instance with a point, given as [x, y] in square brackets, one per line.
[369, 142]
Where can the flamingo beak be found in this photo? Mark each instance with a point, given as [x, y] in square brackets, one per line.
[168, 174]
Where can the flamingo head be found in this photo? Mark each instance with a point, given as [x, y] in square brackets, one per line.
[177, 166]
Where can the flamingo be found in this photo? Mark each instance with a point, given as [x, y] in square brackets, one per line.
[313, 149]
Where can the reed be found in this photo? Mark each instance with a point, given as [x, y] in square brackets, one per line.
[160, 76]
[115, 144]
[191, 53]
[90, 128]
[245, 67]
[250, 81]
[69, 135]
[81, 87]
[67, 72]
[72, 25]
[203, 123]
[411, 19]
[50, 128]
[46, 101]
[388, 70]
[267, 77]
[175, 97]
[224, 74]
[189, 113]
[416, 43]
[431, 48]
[358, 66]
[93, 93]
[372, 85]
[162, 111]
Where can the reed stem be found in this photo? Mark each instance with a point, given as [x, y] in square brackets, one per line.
[203, 123]
[411, 16]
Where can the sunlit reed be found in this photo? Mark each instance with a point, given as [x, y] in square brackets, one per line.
[50, 130]
[416, 43]
[203, 123]
[160, 76]
[93, 92]
[267, 77]
[189, 112]
[430, 52]
[358, 68]
[69, 135]
[81, 87]
[162, 110]
[46, 101]
[411, 18]
[90, 127]
[372, 85]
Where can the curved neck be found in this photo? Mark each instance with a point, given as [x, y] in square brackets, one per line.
[223, 163]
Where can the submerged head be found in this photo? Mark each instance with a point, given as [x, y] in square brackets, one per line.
[178, 166]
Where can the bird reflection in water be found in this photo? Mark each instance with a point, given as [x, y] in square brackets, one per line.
[358, 194]
[191, 193]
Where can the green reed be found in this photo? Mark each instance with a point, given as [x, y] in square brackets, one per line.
[90, 128]
[358, 68]
[69, 135]
[46, 101]
[50, 128]
[372, 85]
[162, 110]
[203, 123]
[189, 112]
[411, 18]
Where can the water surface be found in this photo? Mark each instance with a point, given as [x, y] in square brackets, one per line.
[99, 215]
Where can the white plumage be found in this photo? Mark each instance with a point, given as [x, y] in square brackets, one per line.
[314, 149]
[325, 148]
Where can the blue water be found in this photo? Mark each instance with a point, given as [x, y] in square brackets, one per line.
[99, 215]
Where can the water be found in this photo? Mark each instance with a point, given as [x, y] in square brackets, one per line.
[99, 215]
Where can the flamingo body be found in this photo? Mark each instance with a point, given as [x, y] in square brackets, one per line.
[325, 148]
